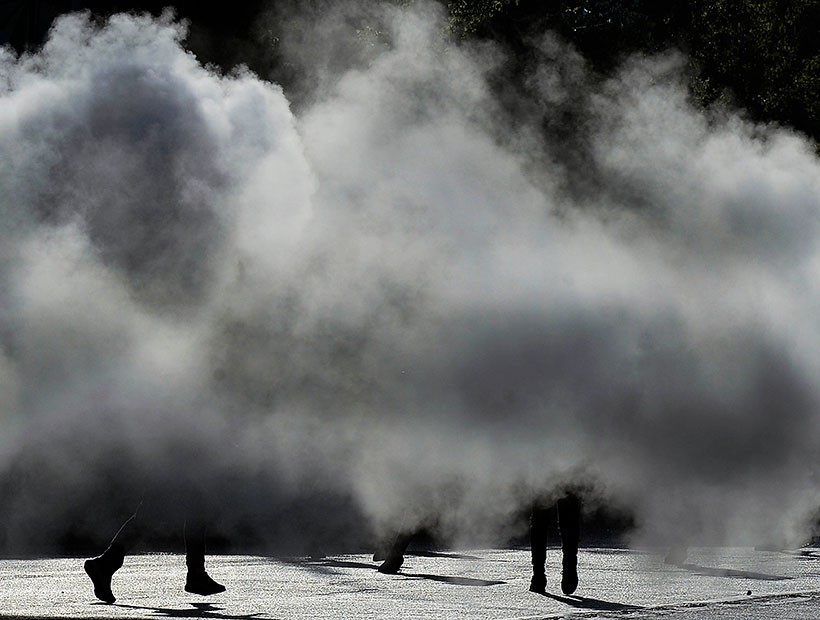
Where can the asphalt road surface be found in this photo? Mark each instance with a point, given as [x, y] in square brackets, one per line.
[730, 583]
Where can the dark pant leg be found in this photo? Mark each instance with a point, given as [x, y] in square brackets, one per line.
[540, 519]
[400, 544]
[569, 522]
[194, 533]
[197, 581]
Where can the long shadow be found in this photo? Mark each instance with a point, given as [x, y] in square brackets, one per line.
[456, 581]
[200, 610]
[344, 564]
[730, 572]
[323, 566]
[443, 554]
[338, 564]
[608, 551]
[584, 602]
[804, 554]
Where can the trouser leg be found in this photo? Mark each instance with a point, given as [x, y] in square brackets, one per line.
[569, 522]
[197, 581]
[194, 534]
[569, 526]
[540, 518]
[539, 530]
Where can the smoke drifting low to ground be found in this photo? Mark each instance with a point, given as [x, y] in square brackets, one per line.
[395, 304]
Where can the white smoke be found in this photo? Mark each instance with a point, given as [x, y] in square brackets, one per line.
[394, 297]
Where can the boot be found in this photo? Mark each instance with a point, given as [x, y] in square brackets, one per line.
[392, 564]
[569, 574]
[538, 583]
[394, 556]
[200, 582]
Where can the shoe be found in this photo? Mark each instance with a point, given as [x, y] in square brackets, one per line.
[569, 574]
[100, 570]
[199, 582]
[538, 583]
[391, 565]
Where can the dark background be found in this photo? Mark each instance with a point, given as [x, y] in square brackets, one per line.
[760, 57]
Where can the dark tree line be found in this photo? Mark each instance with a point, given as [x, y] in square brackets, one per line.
[762, 56]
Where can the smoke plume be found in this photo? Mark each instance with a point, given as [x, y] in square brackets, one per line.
[399, 302]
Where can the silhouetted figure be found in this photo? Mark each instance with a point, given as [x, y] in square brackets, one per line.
[569, 526]
[103, 567]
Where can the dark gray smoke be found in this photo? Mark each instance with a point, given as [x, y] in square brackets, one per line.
[397, 303]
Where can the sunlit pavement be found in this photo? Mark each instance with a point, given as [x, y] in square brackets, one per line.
[491, 584]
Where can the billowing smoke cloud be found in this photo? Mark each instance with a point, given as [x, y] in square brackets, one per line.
[397, 303]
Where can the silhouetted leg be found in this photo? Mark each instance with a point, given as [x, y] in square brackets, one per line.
[395, 554]
[569, 525]
[539, 528]
[197, 580]
[102, 568]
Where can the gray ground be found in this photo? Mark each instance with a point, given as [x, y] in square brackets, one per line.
[483, 584]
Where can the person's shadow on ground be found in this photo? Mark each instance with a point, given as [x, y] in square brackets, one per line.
[326, 566]
[200, 610]
[455, 581]
[711, 571]
[585, 602]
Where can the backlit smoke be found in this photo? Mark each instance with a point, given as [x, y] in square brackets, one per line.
[397, 304]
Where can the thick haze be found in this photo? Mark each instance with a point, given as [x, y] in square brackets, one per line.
[396, 301]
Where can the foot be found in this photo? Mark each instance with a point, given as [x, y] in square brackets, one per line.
[569, 575]
[100, 570]
[538, 583]
[391, 565]
[199, 582]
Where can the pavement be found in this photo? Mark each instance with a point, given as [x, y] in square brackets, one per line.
[487, 584]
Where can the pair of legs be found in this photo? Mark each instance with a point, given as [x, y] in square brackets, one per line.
[569, 527]
[103, 567]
